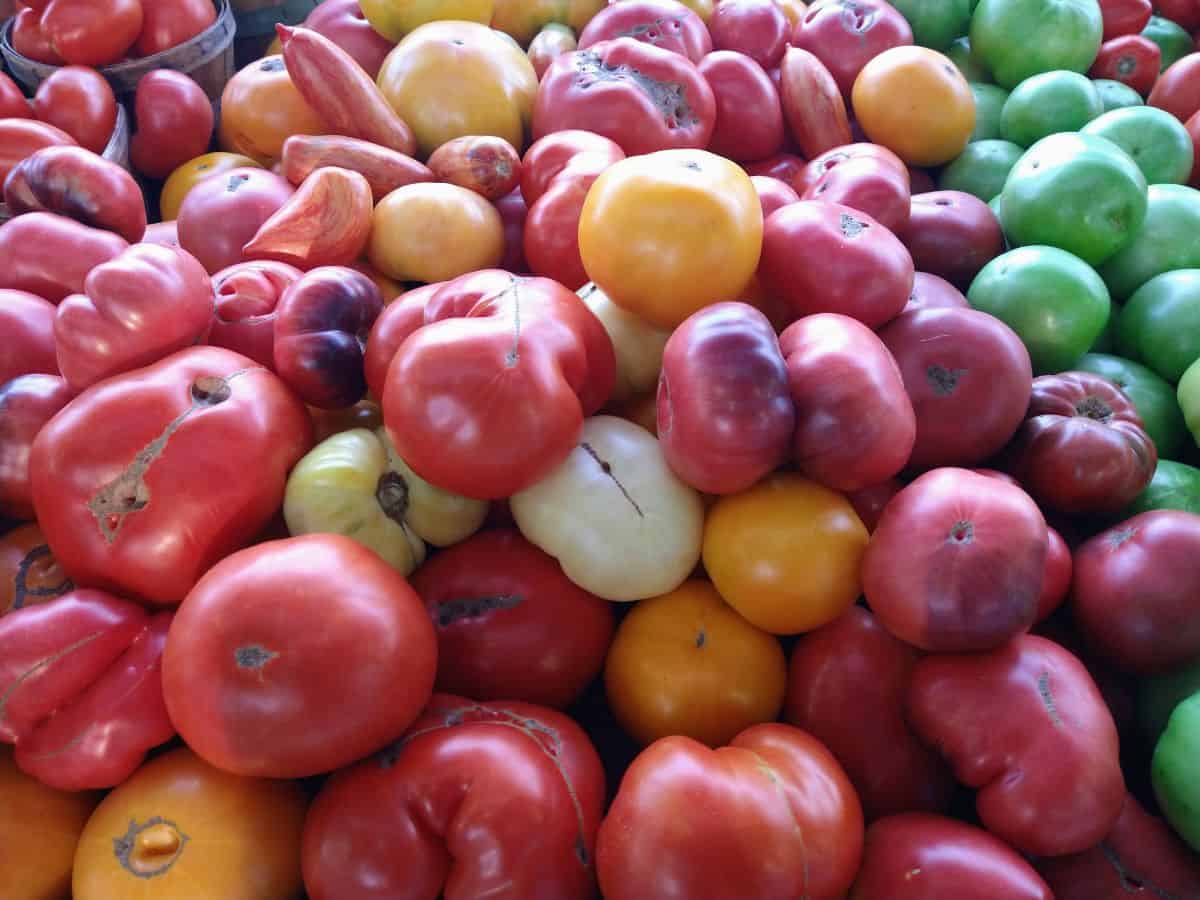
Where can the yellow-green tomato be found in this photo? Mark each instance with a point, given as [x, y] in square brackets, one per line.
[638, 345]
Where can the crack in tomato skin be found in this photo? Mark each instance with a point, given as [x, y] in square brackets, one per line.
[41, 665]
[669, 97]
[606, 468]
[1043, 687]
[1131, 883]
[449, 611]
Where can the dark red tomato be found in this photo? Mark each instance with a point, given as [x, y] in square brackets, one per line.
[787, 167]
[757, 28]
[1178, 89]
[174, 122]
[1130, 59]
[1186, 13]
[343, 22]
[969, 378]
[51, 255]
[1140, 859]
[1082, 447]
[782, 820]
[870, 184]
[847, 34]
[168, 23]
[92, 32]
[825, 257]
[13, 103]
[510, 625]
[30, 40]
[956, 563]
[641, 96]
[953, 235]
[513, 213]
[749, 123]
[854, 664]
[1057, 582]
[934, 292]
[871, 501]
[820, 165]
[223, 212]
[1124, 17]
[660, 23]
[399, 319]
[772, 193]
[855, 425]
[1032, 734]
[247, 295]
[21, 138]
[725, 415]
[1136, 591]
[26, 404]
[495, 800]
[27, 323]
[917, 856]
[80, 102]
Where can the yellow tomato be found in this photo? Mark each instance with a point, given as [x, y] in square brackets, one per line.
[686, 663]
[793, 9]
[261, 108]
[434, 232]
[389, 288]
[785, 553]
[522, 19]
[915, 102]
[39, 828]
[396, 18]
[668, 233]
[179, 829]
[638, 346]
[187, 176]
[449, 79]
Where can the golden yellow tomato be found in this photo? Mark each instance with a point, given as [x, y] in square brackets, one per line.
[785, 553]
[192, 172]
[261, 108]
[668, 233]
[434, 232]
[686, 663]
[450, 79]
[396, 18]
[179, 829]
[522, 19]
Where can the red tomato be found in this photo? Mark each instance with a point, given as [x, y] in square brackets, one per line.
[956, 563]
[247, 295]
[1124, 17]
[821, 165]
[79, 101]
[1031, 733]
[168, 23]
[27, 323]
[510, 624]
[812, 103]
[174, 122]
[13, 103]
[758, 28]
[478, 800]
[1178, 88]
[934, 292]
[660, 23]
[642, 97]
[787, 167]
[399, 319]
[254, 690]
[30, 40]
[343, 22]
[953, 235]
[92, 32]
[782, 820]
[51, 255]
[223, 212]
[749, 120]
[853, 664]
[870, 183]
[917, 856]
[514, 213]
[772, 193]
[847, 34]
[29, 573]
[21, 138]
[27, 402]
[123, 514]
[1057, 582]
[1130, 59]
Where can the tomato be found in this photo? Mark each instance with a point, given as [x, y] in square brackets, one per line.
[1130, 59]
[50, 255]
[79, 101]
[174, 122]
[1173, 754]
[434, 232]
[1185, 12]
[169, 24]
[758, 28]
[1056, 584]
[1155, 326]
[551, 42]
[1049, 103]
[936, 23]
[785, 553]
[915, 855]
[787, 167]
[345, 23]
[92, 32]
[449, 79]
[660, 23]
[868, 182]
[933, 292]
[812, 103]
[953, 235]
[219, 215]
[1154, 398]
[1163, 243]
[181, 829]
[28, 38]
[1019, 38]
[784, 821]
[28, 403]
[638, 347]
[846, 34]
[397, 321]
[525, 20]
[969, 379]
[29, 572]
[1123, 17]
[21, 138]
[489, 166]
[247, 295]
[396, 18]
[1157, 142]
[13, 103]
[478, 799]
[749, 118]
[1172, 40]
[1176, 90]
[181, 181]
[261, 108]
[28, 323]
[772, 193]
[854, 664]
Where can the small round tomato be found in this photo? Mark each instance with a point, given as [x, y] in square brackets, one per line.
[749, 120]
[846, 34]
[786, 553]
[80, 102]
[92, 32]
[180, 182]
[261, 108]
[489, 166]
[222, 213]
[174, 122]
[396, 18]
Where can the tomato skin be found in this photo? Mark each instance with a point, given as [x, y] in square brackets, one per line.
[787, 167]
[758, 28]
[1059, 570]
[51, 255]
[820, 166]
[846, 34]
[343, 22]
[1183, 12]
[1130, 59]
[510, 624]
[1177, 90]
[1123, 17]
[954, 235]
[1032, 734]
[31, 41]
[855, 425]
[520, 780]
[660, 23]
[787, 822]
[772, 193]
[221, 214]
[29, 572]
[749, 118]
[169, 24]
[174, 122]
[914, 856]
[28, 403]
[21, 138]
[27, 322]
[180, 182]
[247, 295]
[261, 108]
[934, 292]
[13, 103]
[870, 183]
[593, 89]
[513, 214]
[399, 319]
[92, 32]
[216, 396]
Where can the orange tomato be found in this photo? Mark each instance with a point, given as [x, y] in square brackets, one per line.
[191, 173]
[523, 19]
[686, 663]
[915, 102]
[179, 829]
[29, 571]
[785, 553]
[668, 233]
[39, 828]
[434, 232]
[450, 79]
[261, 108]
[396, 18]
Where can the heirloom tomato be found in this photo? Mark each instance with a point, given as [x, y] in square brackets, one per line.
[168, 23]
[953, 235]
[261, 108]
[345, 23]
[758, 28]
[1131, 59]
[21, 138]
[1020, 38]
[749, 117]
[869, 179]
[181, 181]
[1171, 770]
[28, 38]
[933, 292]
[1177, 89]
[174, 122]
[846, 34]
[1160, 325]
[638, 345]
[27, 403]
[396, 18]
[78, 100]
[398, 320]
[660, 23]
[1166, 241]
[1126, 16]
[221, 214]
[247, 295]
[1154, 398]
[27, 322]
[92, 32]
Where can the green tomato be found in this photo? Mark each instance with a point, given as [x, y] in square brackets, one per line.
[1054, 301]
[1156, 140]
[1047, 104]
[1077, 192]
[1160, 325]
[1175, 768]
[981, 169]
[1019, 38]
[1188, 393]
[1174, 486]
[1115, 95]
[1169, 238]
[968, 62]
[936, 23]
[989, 105]
[1174, 42]
[1152, 396]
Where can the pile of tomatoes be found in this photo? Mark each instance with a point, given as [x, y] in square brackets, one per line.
[553, 450]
